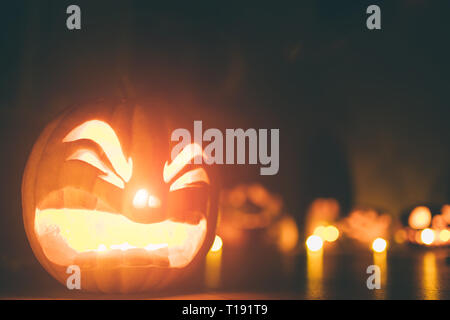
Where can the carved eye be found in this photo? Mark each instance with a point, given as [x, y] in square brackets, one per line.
[104, 136]
[193, 178]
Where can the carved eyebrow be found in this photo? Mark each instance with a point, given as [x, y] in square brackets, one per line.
[188, 153]
[189, 179]
[91, 158]
[101, 133]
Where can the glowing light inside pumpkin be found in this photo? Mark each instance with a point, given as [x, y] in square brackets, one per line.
[81, 231]
[420, 218]
[217, 245]
[314, 243]
[427, 236]
[379, 245]
[140, 199]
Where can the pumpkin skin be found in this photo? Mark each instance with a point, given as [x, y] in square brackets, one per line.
[81, 187]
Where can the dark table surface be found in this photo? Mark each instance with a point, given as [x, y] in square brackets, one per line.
[340, 273]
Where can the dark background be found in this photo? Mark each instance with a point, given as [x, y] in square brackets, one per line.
[363, 115]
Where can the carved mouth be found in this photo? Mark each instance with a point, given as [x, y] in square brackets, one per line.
[91, 237]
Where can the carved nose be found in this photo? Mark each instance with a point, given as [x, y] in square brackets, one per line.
[142, 199]
[145, 207]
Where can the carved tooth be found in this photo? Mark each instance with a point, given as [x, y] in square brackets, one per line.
[141, 257]
[110, 258]
[86, 259]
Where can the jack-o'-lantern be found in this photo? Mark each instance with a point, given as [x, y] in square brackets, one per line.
[247, 210]
[366, 224]
[101, 192]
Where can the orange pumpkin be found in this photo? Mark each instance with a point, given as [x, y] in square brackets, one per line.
[101, 192]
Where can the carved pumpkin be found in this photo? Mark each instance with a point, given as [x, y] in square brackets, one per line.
[366, 224]
[248, 211]
[100, 191]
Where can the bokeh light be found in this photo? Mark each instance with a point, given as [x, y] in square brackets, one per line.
[331, 233]
[400, 236]
[420, 218]
[444, 235]
[288, 234]
[379, 245]
[319, 231]
[314, 243]
[427, 236]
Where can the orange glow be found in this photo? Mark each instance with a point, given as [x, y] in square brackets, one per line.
[251, 207]
[427, 236]
[400, 236]
[66, 233]
[365, 225]
[445, 211]
[438, 222]
[444, 235]
[420, 218]
[101, 133]
[288, 234]
[322, 211]
[314, 243]
[379, 245]
[217, 245]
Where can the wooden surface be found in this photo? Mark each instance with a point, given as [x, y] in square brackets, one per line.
[407, 273]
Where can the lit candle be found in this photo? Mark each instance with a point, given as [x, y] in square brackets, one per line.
[379, 246]
[379, 259]
[213, 264]
[314, 266]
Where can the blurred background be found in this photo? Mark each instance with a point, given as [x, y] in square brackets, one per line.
[363, 118]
